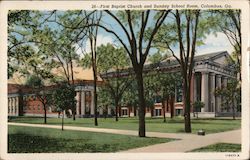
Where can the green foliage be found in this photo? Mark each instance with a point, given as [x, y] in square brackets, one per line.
[231, 95]
[198, 104]
[158, 57]
[64, 97]
[130, 96]
[108, 58]
[34, 81]
[37, 44]
[104, 97]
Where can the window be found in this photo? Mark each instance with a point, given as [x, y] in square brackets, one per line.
[124, 112]
[157, 99]
[157, 112]
[179, 92]
[178, 112]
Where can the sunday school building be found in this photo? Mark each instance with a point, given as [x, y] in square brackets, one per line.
[210, 71]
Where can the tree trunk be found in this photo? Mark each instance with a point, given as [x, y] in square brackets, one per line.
[45, 114]
[139, 79]
[187, 109]
[116, 110]
[119, 109]
[95, 100]
[164, 110]
[233, 110]
[106, 112]
[129, 110]
[172, 107]
[135, 111]
[74, 115]
[62, 119]
[152, 111]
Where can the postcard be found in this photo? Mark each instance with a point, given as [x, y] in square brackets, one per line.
[124, 79]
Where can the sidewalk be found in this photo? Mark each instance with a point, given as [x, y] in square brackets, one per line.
[186, 142]
[191, 143]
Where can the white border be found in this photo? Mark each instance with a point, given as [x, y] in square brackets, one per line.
[64, 5]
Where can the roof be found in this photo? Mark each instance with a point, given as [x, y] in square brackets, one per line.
[17, 88]
[172, 63]
[211, 56]
[79, 74]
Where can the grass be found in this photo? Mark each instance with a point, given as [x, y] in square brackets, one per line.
[220, 147]
[44, 140]
[175, 125]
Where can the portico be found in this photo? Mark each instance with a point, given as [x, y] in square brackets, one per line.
[85, 101]
[209, 75]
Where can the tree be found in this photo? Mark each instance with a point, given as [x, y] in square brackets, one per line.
[231, 95]
[132, 23]
[231, 27]
[184, 34]
[92, 36]
[130, 97]
[137, 48]
[111, 58]
[43, 95]
[33, 31]
[163, 83]
[111, 63]
[25, 58]
[64, 98]
[197, 105]
[104, 99]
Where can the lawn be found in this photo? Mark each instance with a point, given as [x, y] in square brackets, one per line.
[44, 140]
[175, 125]
[220, 147]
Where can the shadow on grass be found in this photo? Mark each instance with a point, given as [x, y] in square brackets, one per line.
[25, 143]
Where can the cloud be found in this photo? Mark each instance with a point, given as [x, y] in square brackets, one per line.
[101, 39]
[215, 43]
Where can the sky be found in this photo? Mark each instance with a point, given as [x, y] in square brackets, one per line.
[213, 43]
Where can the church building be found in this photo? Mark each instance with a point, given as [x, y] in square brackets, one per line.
[210, 71]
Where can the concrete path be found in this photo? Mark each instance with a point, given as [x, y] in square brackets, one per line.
[185, 142]
[191, 143]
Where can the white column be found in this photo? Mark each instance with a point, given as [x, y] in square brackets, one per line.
[195, 87]
[100, 111]
[109, 111]
[204, 91]
[224, 81]
[9, 106]
[17, 106]
[83, 103]
[77, 102]
[14, 105]
[218, 98]
[212, 92]
[92, 109]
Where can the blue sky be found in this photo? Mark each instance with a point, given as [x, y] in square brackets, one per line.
[213, 43]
